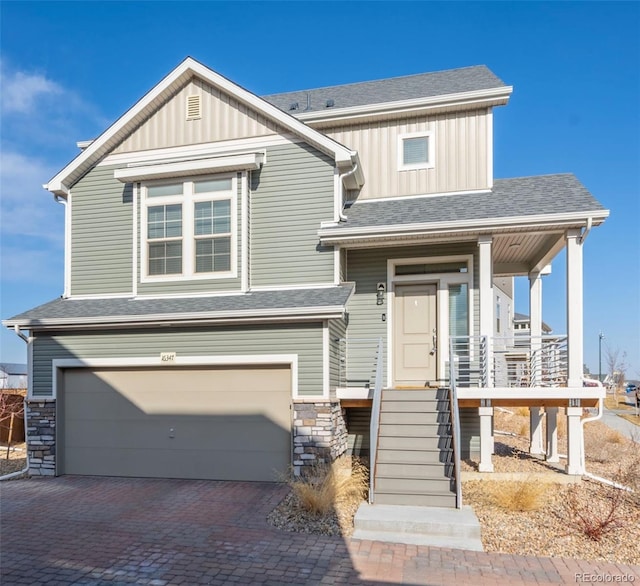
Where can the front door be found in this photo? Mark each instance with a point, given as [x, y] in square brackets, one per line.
[414, 335]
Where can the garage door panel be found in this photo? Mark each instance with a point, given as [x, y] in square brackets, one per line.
[240, 433]
[219, 423]
[139, 463]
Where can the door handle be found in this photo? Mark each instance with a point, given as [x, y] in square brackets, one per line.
[434, 349]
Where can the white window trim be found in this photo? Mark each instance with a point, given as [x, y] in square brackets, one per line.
[442, 282]
[187, 199]
[59, 364]
[430, 163]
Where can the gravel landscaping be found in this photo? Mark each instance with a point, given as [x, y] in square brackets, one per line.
[553, 527]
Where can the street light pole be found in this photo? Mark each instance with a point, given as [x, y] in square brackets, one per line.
[600, 336]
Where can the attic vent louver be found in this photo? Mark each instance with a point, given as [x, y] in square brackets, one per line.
[294, 106]
[330, 103]
[194, 107]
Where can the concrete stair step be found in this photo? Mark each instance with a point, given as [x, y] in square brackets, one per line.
[426, 456]
[427, 405]
[423, 471]
[418, 525]
[417, 418]
[413, 485]
[414, 443]
[424, 430]
[414, 394]
[445, 500]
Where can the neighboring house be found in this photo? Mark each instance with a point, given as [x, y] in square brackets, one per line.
[243, 275]
[522, 324]
[13, 376]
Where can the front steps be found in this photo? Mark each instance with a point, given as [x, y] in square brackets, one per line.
[431, 526]
[415, 452]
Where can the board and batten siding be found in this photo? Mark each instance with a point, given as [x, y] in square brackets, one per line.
[461, 145]
[368, 267]
[303, 340]
[223, 118]
[101, 234]
[290, 196]
[177, 286]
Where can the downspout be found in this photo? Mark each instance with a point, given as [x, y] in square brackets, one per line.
[606, 481]
[28, 340]
[587, 229]
[67, 250]
[342, 217]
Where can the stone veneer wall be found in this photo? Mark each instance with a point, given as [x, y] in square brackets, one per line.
[319, 434]
[41, 437]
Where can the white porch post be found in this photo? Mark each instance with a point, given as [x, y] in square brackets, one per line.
[486, 439]
[485, 286]
[574, 441]
[535, 331]
[574, 309]
[552, 434]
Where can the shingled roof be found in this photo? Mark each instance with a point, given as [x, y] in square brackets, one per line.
[132, 310]
[423, 85]
[517, 197]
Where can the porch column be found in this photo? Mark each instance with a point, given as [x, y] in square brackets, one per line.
[535, 331]
[552, 434]
[574, 308]
[486, 438]
[485, 287]
[574, 441]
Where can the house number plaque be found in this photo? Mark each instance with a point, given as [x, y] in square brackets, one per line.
[167, 357]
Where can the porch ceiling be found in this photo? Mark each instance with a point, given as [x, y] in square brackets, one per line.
[523, 252]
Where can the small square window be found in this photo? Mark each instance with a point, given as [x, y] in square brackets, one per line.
[415, 151]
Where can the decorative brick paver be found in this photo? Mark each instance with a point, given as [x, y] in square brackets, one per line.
[100, 531]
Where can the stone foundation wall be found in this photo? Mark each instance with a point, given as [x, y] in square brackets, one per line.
[319, 434]
[41, 437]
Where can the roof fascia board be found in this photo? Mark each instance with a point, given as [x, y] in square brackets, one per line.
[296, 313]
[490, 97]
[327, 234]
[343, 156]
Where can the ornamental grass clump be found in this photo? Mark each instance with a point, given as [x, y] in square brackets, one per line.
[519, 495]
[326, 486]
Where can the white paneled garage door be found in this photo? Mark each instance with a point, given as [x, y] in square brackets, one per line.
[223, 423]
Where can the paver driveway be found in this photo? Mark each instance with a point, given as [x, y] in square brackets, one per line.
[95, 531]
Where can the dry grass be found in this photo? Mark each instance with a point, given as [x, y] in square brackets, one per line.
[522, 495]
[329, 485]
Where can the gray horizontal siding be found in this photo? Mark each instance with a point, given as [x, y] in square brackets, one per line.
[101, 235]
[367, 268]
[337, 333]
[195, 285]
[290, 196]
[470, 432]
[303, 340]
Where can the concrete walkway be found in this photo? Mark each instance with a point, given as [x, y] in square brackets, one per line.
[99, 531]
[611, 418]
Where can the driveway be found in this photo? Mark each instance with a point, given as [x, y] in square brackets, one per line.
[99, 531]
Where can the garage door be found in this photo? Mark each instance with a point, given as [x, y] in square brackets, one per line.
[224, 423]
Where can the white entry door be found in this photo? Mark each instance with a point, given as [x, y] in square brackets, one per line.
[415, 355]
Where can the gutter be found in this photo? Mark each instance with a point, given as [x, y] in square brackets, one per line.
[28, 340]
[341, 179]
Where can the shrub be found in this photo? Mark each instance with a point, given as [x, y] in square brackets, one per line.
[520, 495]
[327, 485]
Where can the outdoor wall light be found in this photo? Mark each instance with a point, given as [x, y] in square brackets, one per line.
[381, 288]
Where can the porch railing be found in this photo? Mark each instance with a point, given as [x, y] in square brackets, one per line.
[509, 361]
[375, 422]
[359, 358]
[455, 423]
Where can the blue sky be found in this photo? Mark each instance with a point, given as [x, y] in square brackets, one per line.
[68, 69]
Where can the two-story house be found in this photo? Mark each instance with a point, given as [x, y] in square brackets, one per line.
[242, 273]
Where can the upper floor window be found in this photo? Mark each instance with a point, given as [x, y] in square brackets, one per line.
[190, 228]
[415, 151]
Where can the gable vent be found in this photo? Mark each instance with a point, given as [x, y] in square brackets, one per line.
[194, 107]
